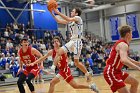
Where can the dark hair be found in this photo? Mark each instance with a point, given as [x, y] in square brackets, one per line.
[124, 30]
[78, 10]
[24, 39]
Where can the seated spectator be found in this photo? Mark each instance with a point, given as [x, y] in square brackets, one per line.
[9, 43]
[90, 62]
[3, 61]
[6, 33]
[14, 66]
[8, 58]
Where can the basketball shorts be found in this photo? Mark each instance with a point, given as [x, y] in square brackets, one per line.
[74, 46]
[33, 70]
[65, 75]
[114, 78]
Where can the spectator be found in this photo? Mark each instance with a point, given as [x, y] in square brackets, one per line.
[9, 43]
[90, 61]
[3, 61]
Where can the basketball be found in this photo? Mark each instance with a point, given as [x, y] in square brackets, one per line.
[52, 4]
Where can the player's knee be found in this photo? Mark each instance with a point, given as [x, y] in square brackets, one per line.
[76, 62]
[28, 81]
[52, 83]
[19, 82]
[135, 83]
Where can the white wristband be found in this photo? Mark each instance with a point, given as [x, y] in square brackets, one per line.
[53, 67]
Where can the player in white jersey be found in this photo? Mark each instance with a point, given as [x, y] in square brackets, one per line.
[75, 24]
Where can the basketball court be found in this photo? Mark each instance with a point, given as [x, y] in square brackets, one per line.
[63, 87]
[100, 21]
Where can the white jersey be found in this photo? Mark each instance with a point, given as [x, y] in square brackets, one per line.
[76, 28]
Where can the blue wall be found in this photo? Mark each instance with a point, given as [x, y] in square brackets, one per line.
[6, 18]
[43, 20]
[114, 24]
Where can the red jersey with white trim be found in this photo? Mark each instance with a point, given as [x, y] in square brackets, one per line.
[63, 64]
[27, 57]
[64, 70]
[114, 57]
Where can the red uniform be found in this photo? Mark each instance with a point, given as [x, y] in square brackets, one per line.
[112, 72]
[63, 67]
[27, 58]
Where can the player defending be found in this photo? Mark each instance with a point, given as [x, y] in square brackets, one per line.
[117, 59]
[75, 24]
[27, 55]
[64, 70]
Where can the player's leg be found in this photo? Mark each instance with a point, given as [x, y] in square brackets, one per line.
[53, 82]
[77, 53]
[80, 65]
[76, 46]
[20, 82]
[115, 80]
[81, 86]
[40, 76]
[73, 46]
[78, 86]
[83, 69]
[123, 90]
[133, 82]
[28, 80]
[33, 73]
[34, 80]
[67, 76]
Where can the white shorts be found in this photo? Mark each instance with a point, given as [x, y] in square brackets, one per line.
[74, 46]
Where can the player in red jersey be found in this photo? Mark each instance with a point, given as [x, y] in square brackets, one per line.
[27, 55]
[117, 59]
[64, 70]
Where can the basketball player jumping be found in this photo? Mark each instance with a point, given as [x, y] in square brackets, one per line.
[117, 59]
[75, 24]
[64, 70]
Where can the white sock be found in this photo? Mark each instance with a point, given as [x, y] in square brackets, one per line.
[90, 86]
[87, 74]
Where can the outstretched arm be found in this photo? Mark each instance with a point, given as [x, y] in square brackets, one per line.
[59, 20]
[57, 57]
[65, 17]
[20, 65]
[41, 59]
[133, 61]
[122, 48]
[36, 53]
[20, 62]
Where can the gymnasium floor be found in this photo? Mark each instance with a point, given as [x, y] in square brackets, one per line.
[63, 87]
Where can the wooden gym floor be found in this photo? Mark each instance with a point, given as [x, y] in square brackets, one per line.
[63, 87]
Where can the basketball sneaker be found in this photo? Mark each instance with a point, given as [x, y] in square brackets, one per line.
[94, 88]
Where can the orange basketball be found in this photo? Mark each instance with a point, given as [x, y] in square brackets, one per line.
[52, 4]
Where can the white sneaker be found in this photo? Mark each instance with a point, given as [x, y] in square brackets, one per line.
[94, 88]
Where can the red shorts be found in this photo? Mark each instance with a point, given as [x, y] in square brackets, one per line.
[66, 75]
[34, 70]
[114, 78]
